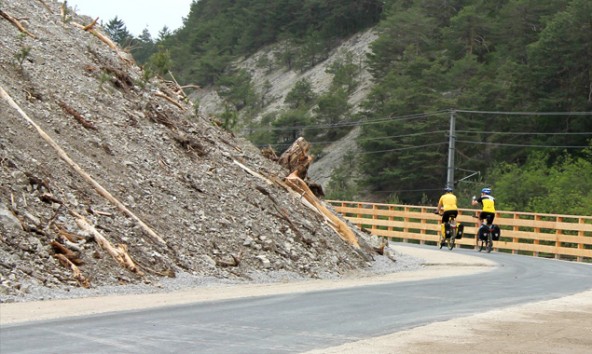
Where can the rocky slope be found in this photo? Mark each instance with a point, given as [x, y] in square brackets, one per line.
[274, 82]
[85, 137]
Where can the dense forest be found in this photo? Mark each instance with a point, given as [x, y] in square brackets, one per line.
[514, 75]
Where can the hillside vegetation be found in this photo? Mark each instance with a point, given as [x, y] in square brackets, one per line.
[516, 75]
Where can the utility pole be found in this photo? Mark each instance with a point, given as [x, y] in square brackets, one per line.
[451, 149]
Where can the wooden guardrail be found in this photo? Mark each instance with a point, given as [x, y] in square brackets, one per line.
[566, 237]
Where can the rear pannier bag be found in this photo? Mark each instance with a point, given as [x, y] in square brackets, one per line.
[496, 233]
[460, 230]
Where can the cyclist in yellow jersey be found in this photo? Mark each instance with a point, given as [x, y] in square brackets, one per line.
[488, 206]
[447, 207]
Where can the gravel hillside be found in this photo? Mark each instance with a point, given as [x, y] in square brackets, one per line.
[274, 82]
[94, 156]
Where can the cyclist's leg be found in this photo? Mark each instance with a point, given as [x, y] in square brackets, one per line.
[446, 220]
[482, 231]
[443, 222]
[441, 234]
[451, 214]
[490, 217]
[443, 228]
[453, 228]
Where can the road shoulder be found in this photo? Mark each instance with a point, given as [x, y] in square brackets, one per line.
[437, 263]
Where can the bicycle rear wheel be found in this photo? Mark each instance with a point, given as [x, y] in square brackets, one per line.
[489, 243]
[482, 242]
[450, 242]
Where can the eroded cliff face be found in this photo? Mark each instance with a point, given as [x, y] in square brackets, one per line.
[84, 137]
[274, 82]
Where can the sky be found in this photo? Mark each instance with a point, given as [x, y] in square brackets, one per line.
[136, 14]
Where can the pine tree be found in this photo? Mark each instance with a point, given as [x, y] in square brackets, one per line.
[118, 32]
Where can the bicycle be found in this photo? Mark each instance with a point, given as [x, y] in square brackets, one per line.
[449, 232]
[485, 234]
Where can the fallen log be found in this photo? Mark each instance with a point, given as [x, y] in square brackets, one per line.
[77, 274]
[46, 6]
[299, 186]
[17, 24]
[63, 250]
[62, 232]
[178, 90]
[296, 185]
[253, 173]
[90, 25]
[102, 191]
[90, 29]
[118, 253]
[169, 99]
[74, 113]
[234, 261]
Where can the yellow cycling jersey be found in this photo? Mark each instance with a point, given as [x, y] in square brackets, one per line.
[448, 202]
[488, 203]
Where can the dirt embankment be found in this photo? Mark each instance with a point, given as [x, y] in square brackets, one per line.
[184, 200]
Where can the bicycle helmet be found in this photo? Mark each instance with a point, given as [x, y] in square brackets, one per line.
[486, 191]
[447, 189]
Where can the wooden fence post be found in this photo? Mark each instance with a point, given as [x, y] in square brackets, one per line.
[538, 231]
[558, 232]
[515, 228]
[581, 244]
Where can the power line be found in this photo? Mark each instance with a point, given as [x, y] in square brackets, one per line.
[401, 149]
[351, 123]
[425, 115]
[403, 135]
[414, 116]
[410, 190]
[522, 133]
[525, 145]
[462, 141]
[526, 113]
[367, 139]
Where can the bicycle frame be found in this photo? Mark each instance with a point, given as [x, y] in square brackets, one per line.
[449, 239]
[487, 241]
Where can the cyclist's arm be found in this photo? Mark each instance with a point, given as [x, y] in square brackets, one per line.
[440, 205]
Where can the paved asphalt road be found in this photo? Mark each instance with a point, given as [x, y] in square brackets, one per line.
[305, 321]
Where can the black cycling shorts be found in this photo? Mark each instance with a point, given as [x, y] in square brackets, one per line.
[485, 215]
[447, 214]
